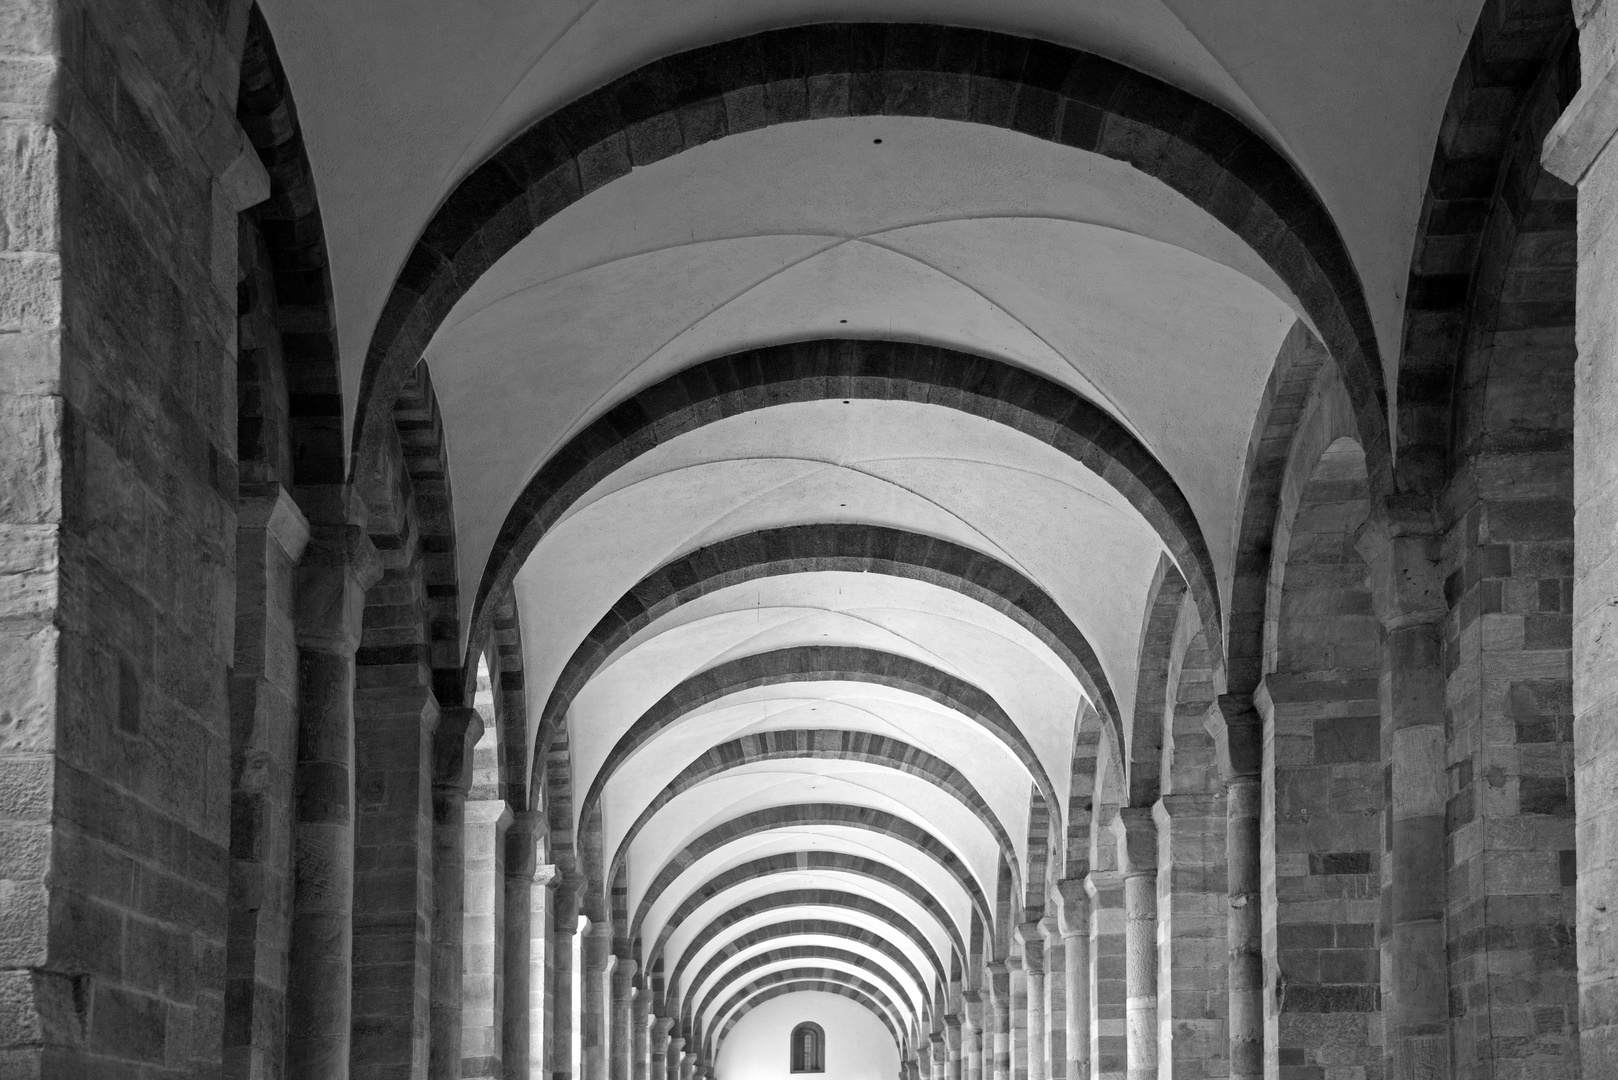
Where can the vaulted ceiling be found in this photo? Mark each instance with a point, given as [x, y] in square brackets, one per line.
[836, 437]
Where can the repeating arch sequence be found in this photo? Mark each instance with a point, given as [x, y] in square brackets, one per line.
[805, 974]
[849, 547]
[823, 986]
[1044, 90]
[820, 663]
[822, 744]
[800, 815]
[850, 369]
[786, 954]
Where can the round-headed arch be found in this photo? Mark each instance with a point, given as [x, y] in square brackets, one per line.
[848, 547]
[795, 862]
[794, 976]
[822, 744]
[790, 899]
[852, 369]
[801, 928]
[792, 954]
[821, 663]
[1047, 91]
[824, 986]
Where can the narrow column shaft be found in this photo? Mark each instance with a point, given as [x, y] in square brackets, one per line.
[938, 1059]
[1238, 734]
[1018, 981]
[1137, 855]
[458, 731]
[622, 1045]
[676, 1055]
[337, 567]
[660, 1048]
[542, 961]
[972, 1035]
[952, 1041]
[518, 1030]
[564, 928]
[1032, 938]
[593, 1017]
[271, 533]
[1407, 595]
[483, 969]
[1055, 1003]
[1000, 1006]
[1073, 923]
[1109, 1047]
[640, 1065]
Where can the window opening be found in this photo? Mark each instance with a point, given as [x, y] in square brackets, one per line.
[808, 1048]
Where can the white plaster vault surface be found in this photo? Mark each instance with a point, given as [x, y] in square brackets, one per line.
[1069, 265]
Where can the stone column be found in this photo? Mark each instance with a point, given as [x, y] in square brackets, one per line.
[458, 731]
[660, 1048]
[622, 1005]
[938, 1059]
[1137, 857]
[1238, 735]
[1033, 961]
[1055, 1004]
[1017, 980]
[1109, 1045]
[688, 1066]
[972, 1035]
[954, 1069]
[1073, 923]
[542, 965]
[1000, 1005]
[1579, 150]
[559, 1024]
[676, 1056]
[598, 963]
[1192, 927]
[517, 1027]
[337, 568]
[483, 968]
[271, 533]
[1398, 545]
[640, 1066]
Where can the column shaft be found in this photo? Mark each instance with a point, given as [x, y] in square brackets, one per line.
[1239, 736]
[1055, 1000]
[518, 1032]
[337, 568]
[559, 1023]
[458, 731]
[596, 1032]
[622, 1039]
[1073, 921]
[483, 968]
[1000, 1004]
[1137, 854]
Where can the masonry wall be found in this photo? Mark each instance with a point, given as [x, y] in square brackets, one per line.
[117, 534]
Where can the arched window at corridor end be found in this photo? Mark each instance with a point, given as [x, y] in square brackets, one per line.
[808, 1048]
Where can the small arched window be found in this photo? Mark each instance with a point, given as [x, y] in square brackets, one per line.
[808, 1048]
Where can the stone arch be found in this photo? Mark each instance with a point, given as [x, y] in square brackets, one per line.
[819, 663]
[1324, 780]
[792, 862]
[803, 814]
[820, 928]
[822, 986]
[1086, 760]
[1032, 896]
[820, 744]
[1517, 53]
[857, 548]
[788, 953]
[800, 975]
[850, 369]
[1143, 767]
[1044, 90]
[511, 695]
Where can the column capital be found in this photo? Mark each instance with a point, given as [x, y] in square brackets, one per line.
[1585, 127]
[661, 1026]
[1032, 939]
[495, 812]
[273, 510]
[339, 564]
[546, 874]
[1237, 730]
[1136, 834]
[1072, 906]
[569, 893]
[459, 729]
[1400, 545]
[1050, 928]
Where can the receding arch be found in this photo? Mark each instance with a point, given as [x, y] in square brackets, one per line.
[1047, 91]
[821, 663]
[831, 546]
[821, 744]
[800, 861]
[786, 954]
[1144, 765]
[798, 898]
[802, 928]
[803, 974]
[808, 814]
[850, 369]
[823, 986]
